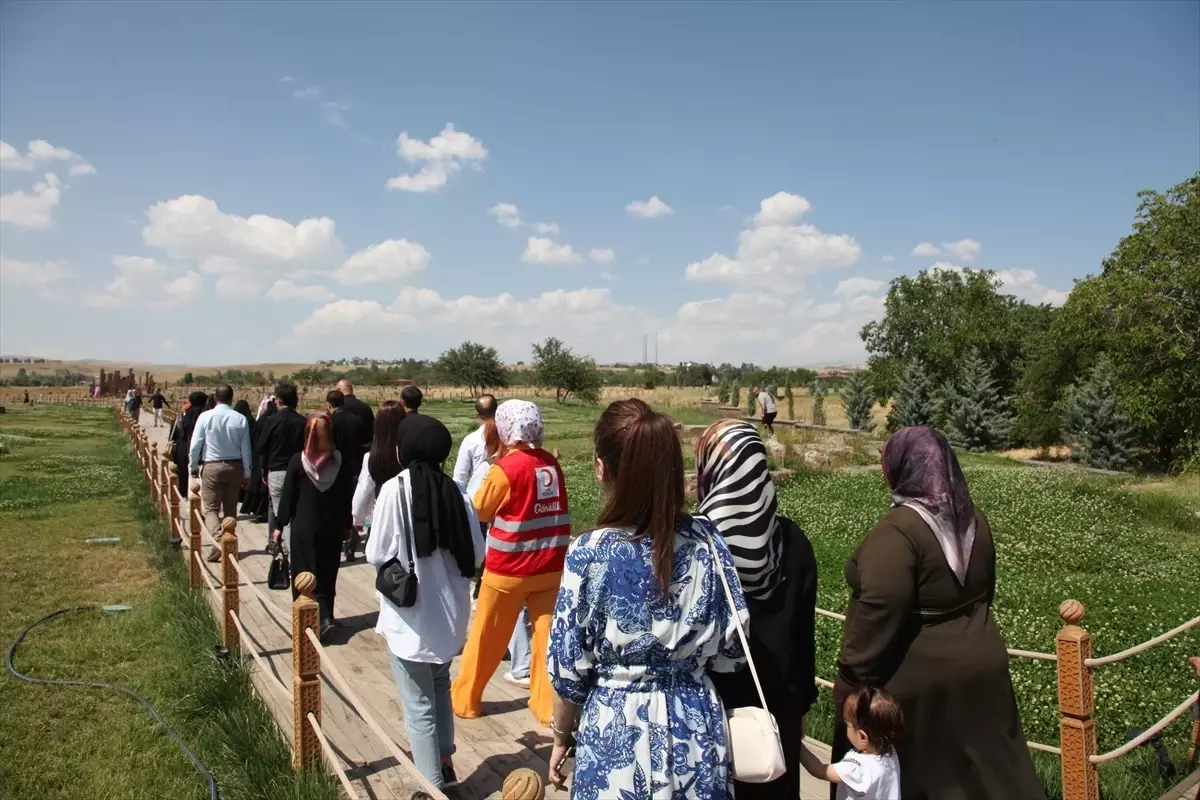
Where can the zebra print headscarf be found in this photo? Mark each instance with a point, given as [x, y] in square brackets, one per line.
[735, 491]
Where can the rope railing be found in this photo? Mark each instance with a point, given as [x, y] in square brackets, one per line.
[1073, 648]
[331, 757]
[360, 708]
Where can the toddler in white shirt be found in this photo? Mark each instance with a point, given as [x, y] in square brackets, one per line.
[871, 771]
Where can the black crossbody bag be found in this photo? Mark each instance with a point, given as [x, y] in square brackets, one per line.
[394, 580]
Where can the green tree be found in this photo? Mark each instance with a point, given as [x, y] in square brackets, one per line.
[735, 395]
[556, 367]
[188, 379]
[817, 391]
[751, 402]
[1143, 311]
[858, 400]
[471, 365]
[790, 396]
[652, 377]
[979, 416]
[723, 392]
[1097, 431]
[915, 403]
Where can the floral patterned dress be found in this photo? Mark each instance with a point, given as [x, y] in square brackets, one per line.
[637, 660]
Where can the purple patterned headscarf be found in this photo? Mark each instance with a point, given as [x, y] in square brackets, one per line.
[925, 476]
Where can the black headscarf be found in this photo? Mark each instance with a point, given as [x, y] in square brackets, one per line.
[243, 408]
[439, 518]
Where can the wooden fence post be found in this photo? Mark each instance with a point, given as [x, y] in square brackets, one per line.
[194, 543]
[229, 583]
[155, 476]
[1076, 703]
[173, 506]
[306, 668]
[168, 490]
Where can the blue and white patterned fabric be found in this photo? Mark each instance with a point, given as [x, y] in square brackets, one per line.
[637, 660]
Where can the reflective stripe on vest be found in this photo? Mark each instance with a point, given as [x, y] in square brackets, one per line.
[536, 524]
[526, 545]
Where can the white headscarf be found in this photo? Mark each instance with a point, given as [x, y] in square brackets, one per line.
[519, 421]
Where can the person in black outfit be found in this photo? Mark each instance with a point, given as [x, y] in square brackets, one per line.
[315, 502]
[254, 495]
[778, 570]
[181, 435]
[158, 402]
[410, 398]
[357, 407]
[353, 442]
[278, 438]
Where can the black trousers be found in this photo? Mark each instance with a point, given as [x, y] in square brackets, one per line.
[318, 552]
[767, 419]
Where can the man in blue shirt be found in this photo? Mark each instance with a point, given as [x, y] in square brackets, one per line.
[220, 457]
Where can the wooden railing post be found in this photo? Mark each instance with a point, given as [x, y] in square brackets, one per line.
[1076, 703]
[168, 492]
[173, 506]
[155, 477]
[194, 544]
[229, 583]
[306, 668]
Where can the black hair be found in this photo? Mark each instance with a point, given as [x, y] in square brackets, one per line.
[224, 394]
[335, 398]
[485, 406]
[411, 397]
[286, 393]
[876, 713]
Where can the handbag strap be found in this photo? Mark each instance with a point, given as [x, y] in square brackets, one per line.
[406, 515]
[737, 620]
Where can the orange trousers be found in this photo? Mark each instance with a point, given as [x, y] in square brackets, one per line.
[500, 600]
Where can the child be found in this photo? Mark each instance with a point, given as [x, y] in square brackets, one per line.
[874, 724]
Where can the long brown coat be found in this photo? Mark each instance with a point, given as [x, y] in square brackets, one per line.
[935, 646]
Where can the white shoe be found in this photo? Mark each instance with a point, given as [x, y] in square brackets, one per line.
[515, 681]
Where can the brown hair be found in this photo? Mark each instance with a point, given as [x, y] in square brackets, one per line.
[491, 439]
[383, 464]
[643, 464]
[874, 712]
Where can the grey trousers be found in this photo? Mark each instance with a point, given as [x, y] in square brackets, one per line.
[275, 488]
[220, 484]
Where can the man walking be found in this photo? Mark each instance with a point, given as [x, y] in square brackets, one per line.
[767, 403]
[358, 408]
[220, 445]
[281, 437]
[472, 462]
[410, 398]
[158, 401]
[351, 439]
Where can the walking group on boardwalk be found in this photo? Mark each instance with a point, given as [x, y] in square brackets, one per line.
[647, 641]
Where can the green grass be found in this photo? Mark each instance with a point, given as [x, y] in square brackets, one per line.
[65, 474]
[1128, 548]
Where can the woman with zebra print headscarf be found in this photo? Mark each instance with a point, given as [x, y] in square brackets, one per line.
[778, 571]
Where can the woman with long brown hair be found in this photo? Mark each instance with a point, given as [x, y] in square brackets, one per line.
[641, 621]
[315, 497]
[379, 465]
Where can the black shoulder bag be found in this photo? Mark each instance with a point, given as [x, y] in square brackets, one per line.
[395, 581]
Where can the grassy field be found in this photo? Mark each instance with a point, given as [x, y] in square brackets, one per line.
[66, 474]
[1128, 548]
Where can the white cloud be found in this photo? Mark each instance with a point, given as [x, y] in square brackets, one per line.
[40, 152]
[888, 259]
[146, 282]
[945, 266]
[307, 93]
[602, 255]
[607, 276]
[287, 79]
[540, 250]
[1024, 283]
[507, 214]
[781, 208]
[284, 291]
[33, 209]
[41, 277]
[852, 287]
[643, 260]
[442, 156]
[546, 227]
[389, 260]
[777, 253]
[962, 250]
[654, 207]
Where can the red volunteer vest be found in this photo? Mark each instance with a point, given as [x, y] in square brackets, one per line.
[532, 530]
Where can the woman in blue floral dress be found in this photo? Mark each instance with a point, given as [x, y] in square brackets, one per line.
[628, 660]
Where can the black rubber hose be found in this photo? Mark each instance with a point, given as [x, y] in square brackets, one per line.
[12, 649]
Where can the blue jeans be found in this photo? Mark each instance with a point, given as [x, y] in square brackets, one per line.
[519, 647]
[428, 715]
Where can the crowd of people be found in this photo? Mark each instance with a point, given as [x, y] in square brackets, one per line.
[634, 637]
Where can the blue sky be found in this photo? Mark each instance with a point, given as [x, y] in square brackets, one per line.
[802, 155]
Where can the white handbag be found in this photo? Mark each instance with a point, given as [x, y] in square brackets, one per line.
[754, 744]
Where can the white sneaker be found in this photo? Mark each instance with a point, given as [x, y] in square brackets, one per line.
[515, 681]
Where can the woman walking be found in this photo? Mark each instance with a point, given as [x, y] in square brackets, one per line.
[379, 465]
[314, 503]
[920, 625]
[641, 623]
[181, 435]
[422, 519]
[778, 571]
[524, 497]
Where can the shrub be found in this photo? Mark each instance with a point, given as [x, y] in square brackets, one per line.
[791, 401]
[818, 391]
[858, 401]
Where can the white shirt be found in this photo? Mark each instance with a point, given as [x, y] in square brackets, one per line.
[221, 434]
[363, 503]
[767, 402]
[471, 465]
[434, 629]
[867, 776]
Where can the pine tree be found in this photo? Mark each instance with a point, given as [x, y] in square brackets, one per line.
[914, 403]
[791, 401]
[723, 392]
[857, 400]
[751, 400]
[735, 395]
[980, 417]
[1098, 432]
[817, 391]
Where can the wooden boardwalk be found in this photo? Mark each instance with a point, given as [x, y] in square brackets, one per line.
[489, 748]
